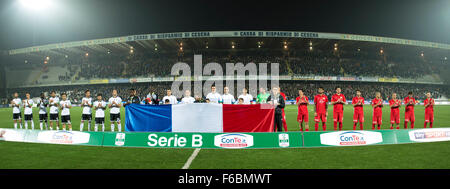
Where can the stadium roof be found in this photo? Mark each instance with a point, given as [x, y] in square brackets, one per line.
[241, 40]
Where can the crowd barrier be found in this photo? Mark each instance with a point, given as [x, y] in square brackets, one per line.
[228, 140]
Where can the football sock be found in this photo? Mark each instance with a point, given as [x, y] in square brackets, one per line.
[431, 124]
[81, 126]
[316, 126]
[412, 124]
[112, 127]
[15, 125]
[335, 125]
[324, 126]
[340, 125]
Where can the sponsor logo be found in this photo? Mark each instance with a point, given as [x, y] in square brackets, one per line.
[174, 141]
[12, 135]
[430, 135]
[283, 140]
[120, 139]
[234, 140]
[351, 138]
[63, 137]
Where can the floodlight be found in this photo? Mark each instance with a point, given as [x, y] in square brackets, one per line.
[36, 4]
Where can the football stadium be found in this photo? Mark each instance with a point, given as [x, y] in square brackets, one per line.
[229, 99]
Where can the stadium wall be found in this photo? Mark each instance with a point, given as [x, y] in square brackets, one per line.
[247, 77]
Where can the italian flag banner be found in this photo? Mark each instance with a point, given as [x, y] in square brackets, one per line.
[209, 118]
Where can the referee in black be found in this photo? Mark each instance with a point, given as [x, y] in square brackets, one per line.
[132, 99]
[276, 99]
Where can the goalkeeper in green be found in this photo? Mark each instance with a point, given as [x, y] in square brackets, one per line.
[262, 96]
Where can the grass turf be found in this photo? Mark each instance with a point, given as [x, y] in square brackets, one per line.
[419, 155]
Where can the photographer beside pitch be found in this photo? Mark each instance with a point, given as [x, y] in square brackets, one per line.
[278, 101]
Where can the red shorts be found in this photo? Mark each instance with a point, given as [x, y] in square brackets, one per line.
[302, 117]
[409, 116]
[429, 117]
[338, 116]
[377, 119]
[358, 117]
[395, 116]
[320, 117]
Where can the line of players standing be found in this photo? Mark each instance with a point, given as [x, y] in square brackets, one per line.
[63, 107]
[338, 100]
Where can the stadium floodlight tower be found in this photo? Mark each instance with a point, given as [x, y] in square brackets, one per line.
[36, 5]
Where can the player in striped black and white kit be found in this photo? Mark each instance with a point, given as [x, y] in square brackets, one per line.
[15, 103]
[28, 111]
[86, 103]
[43, 117]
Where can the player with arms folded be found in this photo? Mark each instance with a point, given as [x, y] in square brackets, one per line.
[429, 110]
[338, 100]
[377, 104]
[409, 102]
[358, 114]
[302, 116]
[320, 109]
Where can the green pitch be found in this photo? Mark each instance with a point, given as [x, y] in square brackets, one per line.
[52, 156]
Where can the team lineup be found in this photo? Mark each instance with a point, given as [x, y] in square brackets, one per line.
[61, 108]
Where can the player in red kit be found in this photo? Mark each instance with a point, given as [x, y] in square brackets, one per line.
[429, 112]
[338, 100]
[320, 109]
[377, 104]
[395, 104]
[302, 116]
[409, 102]
[358, 115]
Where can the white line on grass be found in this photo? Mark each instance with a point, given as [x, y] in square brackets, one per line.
[189, 161]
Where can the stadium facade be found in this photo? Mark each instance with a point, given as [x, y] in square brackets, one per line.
[304, 57]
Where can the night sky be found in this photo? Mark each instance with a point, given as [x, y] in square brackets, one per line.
[73, 20]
